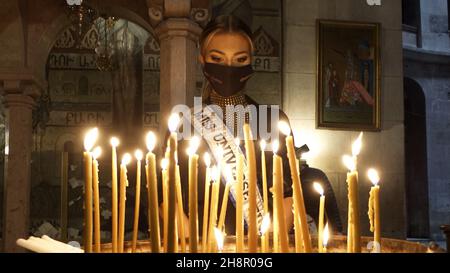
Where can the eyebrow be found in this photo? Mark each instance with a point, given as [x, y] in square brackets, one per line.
[223, 53]
[241, 52]
[217, 51]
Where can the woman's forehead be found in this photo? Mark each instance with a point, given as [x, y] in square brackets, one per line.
[228, 43]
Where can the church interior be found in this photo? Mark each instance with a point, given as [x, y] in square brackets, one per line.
[335, 68]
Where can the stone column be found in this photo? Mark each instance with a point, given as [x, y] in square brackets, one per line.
[177, 27]
[19, 100]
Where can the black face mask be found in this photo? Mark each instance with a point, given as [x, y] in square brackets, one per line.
[227, 80]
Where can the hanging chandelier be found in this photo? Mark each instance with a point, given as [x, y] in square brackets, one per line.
[105, 50]
[81, 17]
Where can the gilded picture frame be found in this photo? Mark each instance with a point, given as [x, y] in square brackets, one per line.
[348, 76]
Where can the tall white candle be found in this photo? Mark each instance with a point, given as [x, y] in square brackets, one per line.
[193, 195]
[207, 159]
[374, 209]
[89, 142]
[122, 201]
[138, 155]
[114, 193]
[174, 121]
[152, 191]
[96, 187]
[320, 190]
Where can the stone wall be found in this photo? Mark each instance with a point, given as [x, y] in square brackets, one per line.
[435, 27]
[383, 150]
[429, 67]
[434, 80]
[291, 28]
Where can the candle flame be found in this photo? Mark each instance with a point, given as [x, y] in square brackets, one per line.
[265, 225]
[356, 147]
[229, 172]
[174, 120]
[126, 159]
[318, 188]
[284, 128]
[374, 177]
[97, 152]
[90, 139]
[193, 145]
[219, 238]
[150, 141]
[215, 173]
[326, 235]
[237, 141]
[164, 164]
[263, 145]
[349, 162]
[114, 142]
[275, 146]
[207, 159]
[314, 142]
[138, 154]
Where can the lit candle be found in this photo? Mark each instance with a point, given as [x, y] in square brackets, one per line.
[174, 120]
[213, 210]
[138, 155]
[97, 242]
[180, 213]
[252, 190]
[226, 193]
[326, 237]
[207, 160]
[152, 190]
[219, 239]
[114, 204]
[276, 240]
[374, 209]
[164, 166]
[297, 229]
[89, 142]
[265, 225]
[216, 175]
[278, 202]
[296, 185]
[353, 184]
[263, 145]
[193, 194]
[320, 190]
[122, 201]
[353, 233]
[239, 200]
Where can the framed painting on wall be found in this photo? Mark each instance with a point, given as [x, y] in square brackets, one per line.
[348, 75]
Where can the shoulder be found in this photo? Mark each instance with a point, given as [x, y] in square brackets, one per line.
[281, 114]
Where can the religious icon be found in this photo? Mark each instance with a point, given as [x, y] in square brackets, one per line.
[349, 88]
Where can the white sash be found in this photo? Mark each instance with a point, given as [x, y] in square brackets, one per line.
[207, 127]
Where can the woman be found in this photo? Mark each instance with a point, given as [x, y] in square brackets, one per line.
[226, 58]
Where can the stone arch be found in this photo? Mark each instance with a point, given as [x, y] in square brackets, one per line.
[416, 164]
[69, 147]
[13, 29]
[39, 50]
[62, 143]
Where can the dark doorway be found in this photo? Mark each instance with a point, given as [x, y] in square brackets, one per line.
[416, 161]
